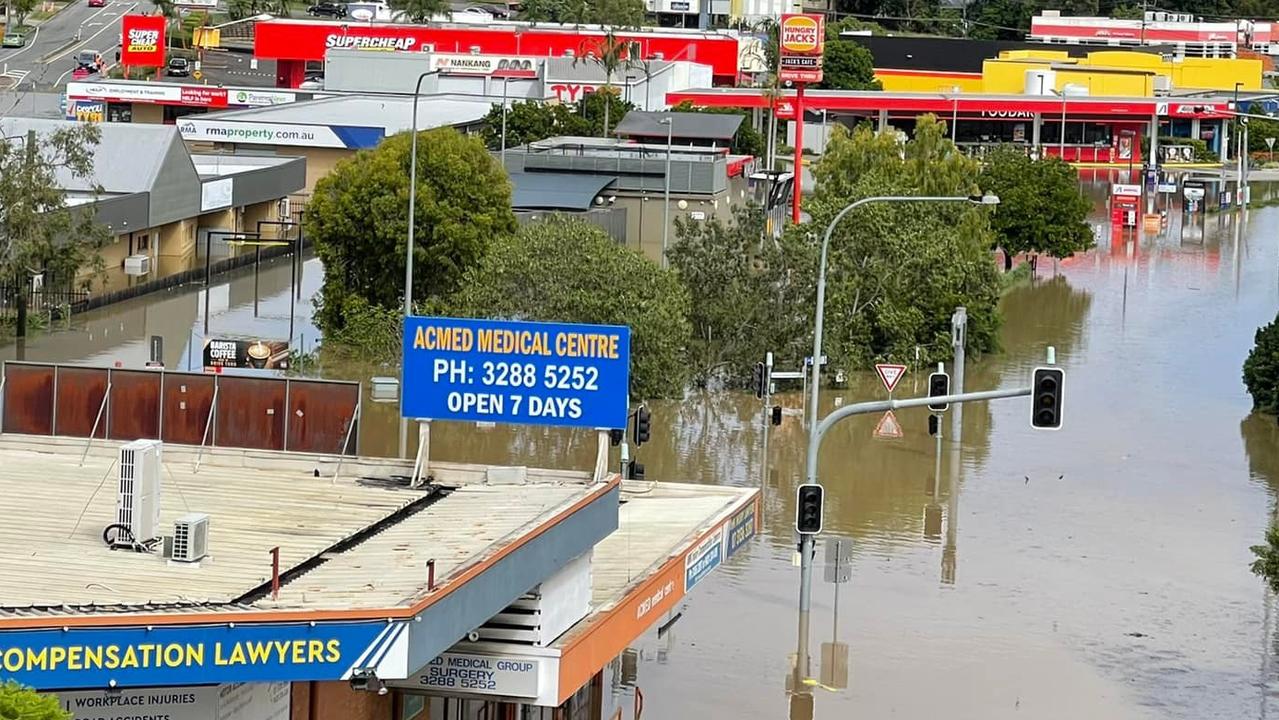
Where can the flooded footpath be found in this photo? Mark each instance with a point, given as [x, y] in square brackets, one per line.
[1098, 572]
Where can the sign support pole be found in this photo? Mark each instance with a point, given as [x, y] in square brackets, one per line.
[423, 452]
[799, 152]
[601, 455]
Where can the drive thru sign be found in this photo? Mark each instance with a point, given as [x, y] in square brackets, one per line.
[890, 374]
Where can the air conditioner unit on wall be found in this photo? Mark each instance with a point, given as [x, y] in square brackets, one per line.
[190, 537]
[137, 502]
[137, 265]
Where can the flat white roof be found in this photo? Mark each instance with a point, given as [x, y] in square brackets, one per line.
[363, 538]
[394, 113]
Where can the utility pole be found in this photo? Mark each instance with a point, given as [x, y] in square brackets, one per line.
[21, 279]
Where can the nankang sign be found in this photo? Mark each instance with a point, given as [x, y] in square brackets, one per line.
[516, 372]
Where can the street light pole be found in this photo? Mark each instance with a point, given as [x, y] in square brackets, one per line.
[408, 248]
[666, 199]
[814, 436]
[505, 81]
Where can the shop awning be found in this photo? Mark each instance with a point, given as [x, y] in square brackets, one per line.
[556, 191]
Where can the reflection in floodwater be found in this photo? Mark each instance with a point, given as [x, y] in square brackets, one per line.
[1104, 568]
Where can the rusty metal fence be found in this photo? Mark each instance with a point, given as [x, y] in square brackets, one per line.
[230, 411]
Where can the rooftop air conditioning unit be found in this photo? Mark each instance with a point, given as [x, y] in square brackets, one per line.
[137, 503]
[190, 538]
[137, 265]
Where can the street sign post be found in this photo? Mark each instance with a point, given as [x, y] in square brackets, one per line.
[890, 374]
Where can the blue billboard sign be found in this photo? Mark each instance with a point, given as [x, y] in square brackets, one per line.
[516, 372]
[740, 530]
[186, 655]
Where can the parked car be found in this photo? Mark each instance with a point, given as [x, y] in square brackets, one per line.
[97, 3]
[312, 82]
[89, 60]
[178, 67]
[13, 40]
[329, 9]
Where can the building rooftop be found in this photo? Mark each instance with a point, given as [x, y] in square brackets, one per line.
[686, 125]
[657, 521]
[392, 113]
[143, 149]
[357, 542]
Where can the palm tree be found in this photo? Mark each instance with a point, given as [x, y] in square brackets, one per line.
[420, 11]
[612, 55]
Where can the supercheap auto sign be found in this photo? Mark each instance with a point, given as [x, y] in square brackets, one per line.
[142, 41]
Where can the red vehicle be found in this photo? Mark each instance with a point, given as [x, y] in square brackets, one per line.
[97, 3]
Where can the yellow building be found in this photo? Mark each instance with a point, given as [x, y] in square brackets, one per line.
[1113, 73]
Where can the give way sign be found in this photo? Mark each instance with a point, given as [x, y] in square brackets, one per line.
[890, 374]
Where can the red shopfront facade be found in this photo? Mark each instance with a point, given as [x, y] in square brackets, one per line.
[294, 43]
[1097, 130]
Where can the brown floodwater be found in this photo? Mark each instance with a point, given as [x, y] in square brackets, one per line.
[1096, 572]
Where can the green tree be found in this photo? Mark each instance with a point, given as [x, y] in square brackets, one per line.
[745, 301]
[420, 11]
[21, 703]
[619, 13]
[1266, 565]
[570, 271]
[1261, 369]
[613, 56]
[746, 141]
[601, 106]
[1041, 209]
[38, 231]
[530, 121]
[358, 219]
[847, 64]
[897, 271]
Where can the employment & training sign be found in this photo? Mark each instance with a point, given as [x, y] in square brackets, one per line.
[174, 655]
[516, 372]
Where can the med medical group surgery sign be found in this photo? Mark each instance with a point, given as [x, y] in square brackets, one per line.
[516, 372]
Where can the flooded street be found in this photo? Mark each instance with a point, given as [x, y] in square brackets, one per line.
[1096, 572]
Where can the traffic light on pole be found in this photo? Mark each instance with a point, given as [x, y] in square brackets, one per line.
[759, 381]
[777, 415]
[643, 422]
[938, 385]
[808, 509]
[1045, 396]
[615, 437]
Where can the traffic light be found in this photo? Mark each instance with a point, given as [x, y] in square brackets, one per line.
[1045, 396]
[808, 509]
[635, 470]
[932, 425]
[643, 420]
[615, 437]
[759, 380]
[777, 415]
[938, 385]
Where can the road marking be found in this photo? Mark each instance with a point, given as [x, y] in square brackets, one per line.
[84, 42]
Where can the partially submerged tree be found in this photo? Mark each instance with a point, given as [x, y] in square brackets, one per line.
[745, 301]
[358, 219]
[571, 271]
[39, 233]
[897, 271]
[1261, 369]
[1041, 209]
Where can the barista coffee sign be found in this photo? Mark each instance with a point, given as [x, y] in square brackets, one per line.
[246, 354]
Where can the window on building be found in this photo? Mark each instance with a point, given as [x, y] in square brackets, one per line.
[142, 243]
[412, 706]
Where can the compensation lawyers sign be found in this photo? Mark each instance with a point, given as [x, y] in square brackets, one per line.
[131, 657]
[516, 372]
